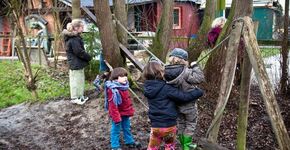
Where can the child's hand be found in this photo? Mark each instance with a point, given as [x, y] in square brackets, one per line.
[193, 64]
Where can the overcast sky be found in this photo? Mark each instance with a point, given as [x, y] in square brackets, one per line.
[282, 2]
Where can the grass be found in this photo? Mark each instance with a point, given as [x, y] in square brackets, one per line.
[13, 90]
[268, 52]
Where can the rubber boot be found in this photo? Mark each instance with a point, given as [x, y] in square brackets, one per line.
[187, 143]
[180, 138]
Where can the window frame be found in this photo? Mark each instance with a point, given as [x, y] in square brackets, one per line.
[177, 26]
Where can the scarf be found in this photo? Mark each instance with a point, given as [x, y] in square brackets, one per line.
[115, 86]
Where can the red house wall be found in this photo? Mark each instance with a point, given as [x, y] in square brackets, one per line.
[189, 24]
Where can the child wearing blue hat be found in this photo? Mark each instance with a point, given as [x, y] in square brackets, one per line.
[184, 76]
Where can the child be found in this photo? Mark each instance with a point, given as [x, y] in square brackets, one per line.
[182, 77]
[118, 102]
[216, 28]
[77, 59]
[162, 109]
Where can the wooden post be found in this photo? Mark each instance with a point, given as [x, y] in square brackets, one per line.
[244, 100]
[227, 80]
[265, 86]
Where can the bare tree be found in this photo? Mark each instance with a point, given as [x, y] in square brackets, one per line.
[216, 61]
[163, 34]
[76, 9]
[198, 44]
[108, 34]
[58, 41]
[285, 76]
[17, 8]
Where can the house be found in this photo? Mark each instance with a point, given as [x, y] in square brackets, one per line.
[268, 13]
[144, 15]
[5, 31]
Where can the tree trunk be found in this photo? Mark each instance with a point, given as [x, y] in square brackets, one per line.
[198, 44]
[163, 34]
[267, 91]
[284, 77]
[76, 9]
[58, 41]
[121, 14]
[227, 80]
[244, 100]
[216, 61]
[108, 34]
[22, 52]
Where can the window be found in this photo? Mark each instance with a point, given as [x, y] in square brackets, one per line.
[177, 18]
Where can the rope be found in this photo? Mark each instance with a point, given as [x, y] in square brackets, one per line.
[220, 112]
[211, 50]
[216, 46]
[111, 68]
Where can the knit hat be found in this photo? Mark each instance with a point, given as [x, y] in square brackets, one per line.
[180, 53]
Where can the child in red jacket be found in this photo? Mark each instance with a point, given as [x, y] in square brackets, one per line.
[119, 104]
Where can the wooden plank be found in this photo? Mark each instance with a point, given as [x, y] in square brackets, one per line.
[265, 86]
[90, 14]
[227, 81]
[131, 57]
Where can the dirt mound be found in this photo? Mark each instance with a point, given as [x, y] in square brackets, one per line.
[63, 125]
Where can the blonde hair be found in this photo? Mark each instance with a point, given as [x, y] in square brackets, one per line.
[75, 23]
[220, 21]
[177, 61]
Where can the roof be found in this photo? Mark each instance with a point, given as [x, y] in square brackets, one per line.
[90, 3]
[256, 3]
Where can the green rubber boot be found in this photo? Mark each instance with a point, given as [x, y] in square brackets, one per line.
[187, 143]
[180, 138]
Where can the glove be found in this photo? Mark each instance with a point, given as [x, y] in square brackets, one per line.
[193, 64]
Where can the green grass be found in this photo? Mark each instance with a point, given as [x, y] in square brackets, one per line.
[13, 90]
[268, 52]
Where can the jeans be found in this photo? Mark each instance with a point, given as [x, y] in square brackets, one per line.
[116, 129]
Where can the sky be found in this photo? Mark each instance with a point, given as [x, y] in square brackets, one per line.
[282, 2]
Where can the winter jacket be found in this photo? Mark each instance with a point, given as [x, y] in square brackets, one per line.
[124, 109]
[161, 99]
[213, 35]
[182, 77]
[77, 57]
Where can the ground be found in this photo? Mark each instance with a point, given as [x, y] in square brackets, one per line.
[59, 124]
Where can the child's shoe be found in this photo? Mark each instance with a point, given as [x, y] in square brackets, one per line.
[85, 98]
[78, 101]
[134, 145]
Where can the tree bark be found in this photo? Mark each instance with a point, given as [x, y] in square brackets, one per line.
[110, 44]
[58, 41]
[285, 61]
[163, 34]
[22, 52]
[244, 100]
[216, 61]
[198, 44]
[76, 9]
[227, 80]
[265, 86]
[121, 14]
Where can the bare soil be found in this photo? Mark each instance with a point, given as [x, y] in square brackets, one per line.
[59, 124]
